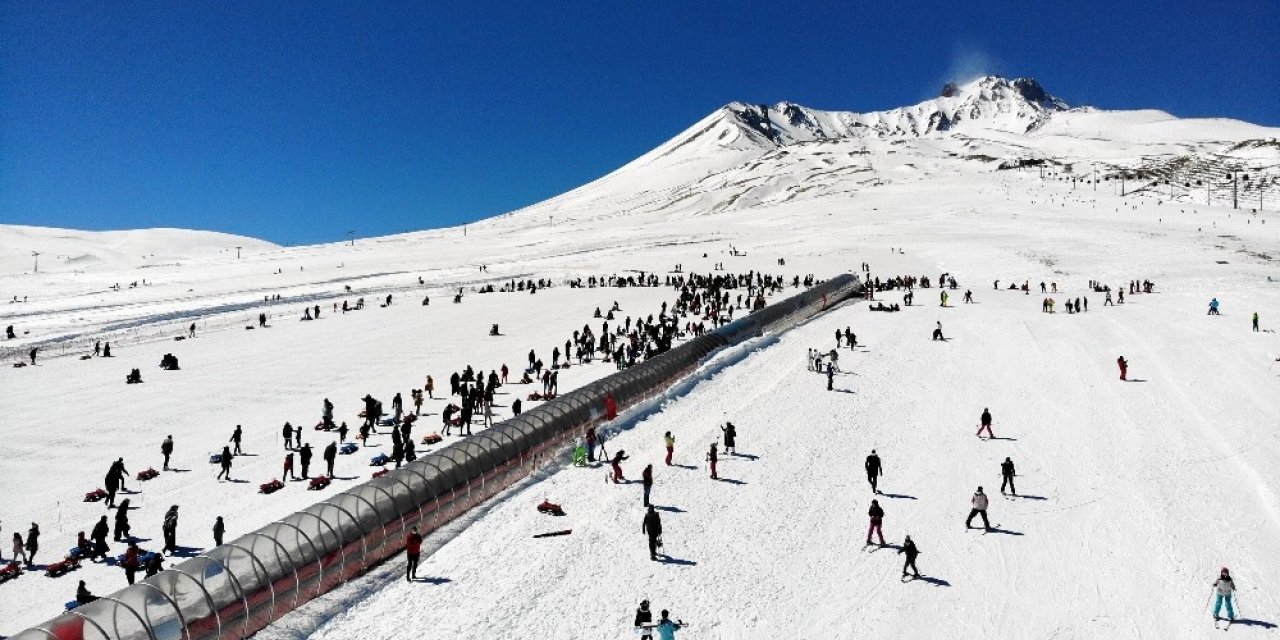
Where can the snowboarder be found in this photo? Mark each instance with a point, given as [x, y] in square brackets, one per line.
[1124, 367]
[984, 422]
[412, 552]
[979, 502]
[909, 548]
[617, 466]
[646, 477]
[644, 621]
[166, 449]
[1225, 588]
[1007, 473]
[730, 434]
[877, 517]
[219, 528]
[652, 526]
[670, 442]
[874, 470]
[235, 438]
[224, 461]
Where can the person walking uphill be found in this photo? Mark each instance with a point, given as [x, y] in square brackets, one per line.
[1224, 588]
[652, 527]
[1007, 472]
[979, 502]
[877, 518]
[617, 466]
[909, 548]
[412, 552]
[646, 477]
[873, 471]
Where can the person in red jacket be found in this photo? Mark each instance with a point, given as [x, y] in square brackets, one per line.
[132, 561]
[412, 551]
[1124, 367]
[711, 458]
[877, 517]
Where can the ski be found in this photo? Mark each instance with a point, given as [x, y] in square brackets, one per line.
[563, 532]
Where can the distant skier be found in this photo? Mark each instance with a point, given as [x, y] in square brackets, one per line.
[670, 442]
[1225, 589]
[1124, 367]
[1213, 307]
[412, 552]
[979, 502]
[652, 527]
[876, 514]
[874, 471]
[909, 548]
[984, 422]
[1007, 472]
[730, 435]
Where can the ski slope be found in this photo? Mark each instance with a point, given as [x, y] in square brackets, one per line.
[1148, 487]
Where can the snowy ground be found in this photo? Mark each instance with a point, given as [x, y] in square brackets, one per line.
[1143, 489]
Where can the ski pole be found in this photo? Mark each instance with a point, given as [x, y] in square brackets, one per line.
[1206, 602]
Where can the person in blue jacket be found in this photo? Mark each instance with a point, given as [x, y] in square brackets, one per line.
[1213, 307]
[666, 627]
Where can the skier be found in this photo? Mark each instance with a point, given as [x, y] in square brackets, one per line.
[652, 526]
[909, 548]
[235, 438]
[647, 478]
[617, 466]
[984, 422]
[166, 449]
[1124, 367]
[225, 461]
[874, 470]
[1007, 473]
[712, 458]
[330, 454]
[730, 434]
[1225, 589]
[877, 517]
[412, 551]
[979, 502]
[644, 621]
[219, 528]
[670, 442]
[1213, 307]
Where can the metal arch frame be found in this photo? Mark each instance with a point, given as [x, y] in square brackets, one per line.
[266, 578]
[342, 551]
[315, 553]
[182, 619]
[376, 516]
[45, 631]
[440, 474]
[145, 624]
[498, 455]
[235, 582]
[293, 567]
[392, 477]
[217, 618]
[91, 621]
[364, 549]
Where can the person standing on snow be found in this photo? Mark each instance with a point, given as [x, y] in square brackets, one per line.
[219, 528]
[1255, 321]
[225, 461]
[1124, 367]
[730, 435]
[644, 621]
[166, 449]
[874, 470]
[670, 442]
[712, 458]
[831, 375]
[617, 466]
[1225, 589]
[286, 432]
[330, 454]
[667, 628]
[909, 548]
[652, 527]
[979, 502]
[235, 438]
[1213, 307]
[1007, 473]
[984, 422]
[877, 518]
[647, 478]
[412, 552]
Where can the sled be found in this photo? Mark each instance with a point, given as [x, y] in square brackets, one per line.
[97, 495]
[550, 508]
[379, 460]
[10, 571]
[215, 458]
[148, 474]
[270, 487]
[62, 567]
[318, 483]
[432, 438]
[381, 472]
[563, 532]
[348, 448]
[71, 604]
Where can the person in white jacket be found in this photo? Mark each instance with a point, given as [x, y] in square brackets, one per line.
[979, 509]
[1225, 588]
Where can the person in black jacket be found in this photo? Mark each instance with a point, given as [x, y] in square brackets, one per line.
[304, 456]
[644, 621]
[730, 436]
[909, 548]
[218, 529]
[235, 438]
[224, 461]
[652, 526]
[1007, 472]
[286, 432]
[121, 531]
[873, 471]
[166, 449]
[82, 594]
[99, 537]
[330, 454]
[876, 514]
[170, 530]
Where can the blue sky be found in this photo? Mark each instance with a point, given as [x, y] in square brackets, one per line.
[299, 121]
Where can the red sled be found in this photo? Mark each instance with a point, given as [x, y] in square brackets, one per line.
[379, 474]
[318, 483]
[270, 487]
[62, 567]
[10, 571]
[550, 508]
[432, 438]
[97, 495]
[148, 474]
